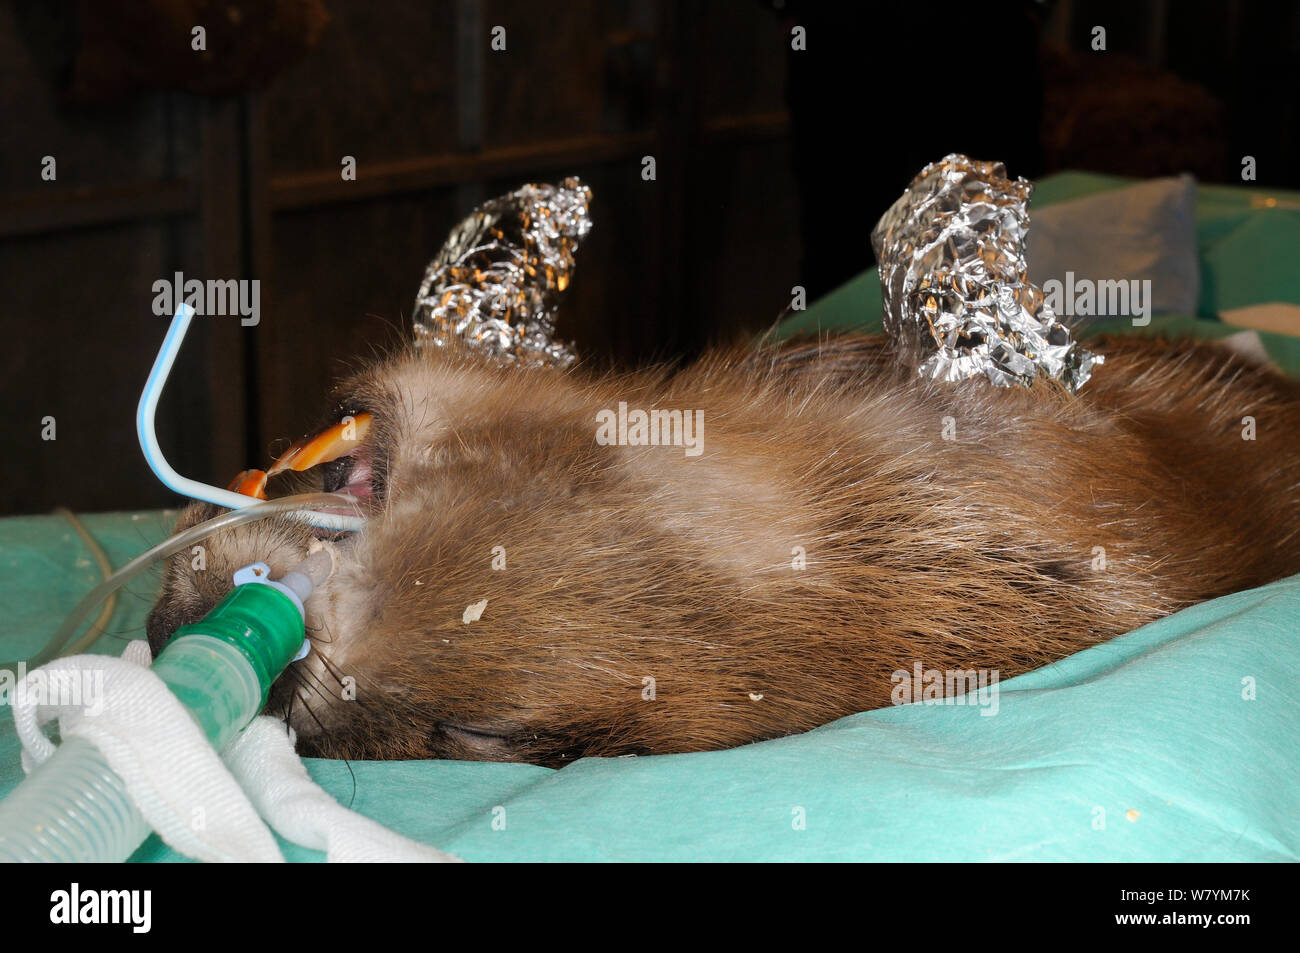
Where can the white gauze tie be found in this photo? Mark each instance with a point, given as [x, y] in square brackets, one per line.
[176, 778]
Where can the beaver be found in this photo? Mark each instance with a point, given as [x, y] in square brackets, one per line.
[568, 563]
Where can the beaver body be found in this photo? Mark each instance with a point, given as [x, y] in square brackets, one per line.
[829, 520]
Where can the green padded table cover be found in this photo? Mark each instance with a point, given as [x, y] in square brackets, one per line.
[1178, 741]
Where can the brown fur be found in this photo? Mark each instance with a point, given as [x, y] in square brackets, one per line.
[634, 563]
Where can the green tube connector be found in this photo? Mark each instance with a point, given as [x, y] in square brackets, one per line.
[75, 808]
[261, 622]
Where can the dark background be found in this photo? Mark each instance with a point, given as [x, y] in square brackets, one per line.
[772, 167]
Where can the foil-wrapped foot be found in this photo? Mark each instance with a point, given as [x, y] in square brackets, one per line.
[495, 284]
[957, 299]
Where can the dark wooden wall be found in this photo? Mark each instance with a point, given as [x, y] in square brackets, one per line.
[248, 186]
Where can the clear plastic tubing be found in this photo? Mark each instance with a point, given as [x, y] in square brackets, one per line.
[74, 808]
[60, 645]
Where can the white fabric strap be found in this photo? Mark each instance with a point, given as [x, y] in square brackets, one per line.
[263, 760]
[171, 772]
[195, 802]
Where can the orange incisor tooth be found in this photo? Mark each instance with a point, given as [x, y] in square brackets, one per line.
[250, 483]
[330, 444]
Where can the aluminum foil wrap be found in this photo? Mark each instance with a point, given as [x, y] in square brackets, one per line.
[957, 298]
[496, 282]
